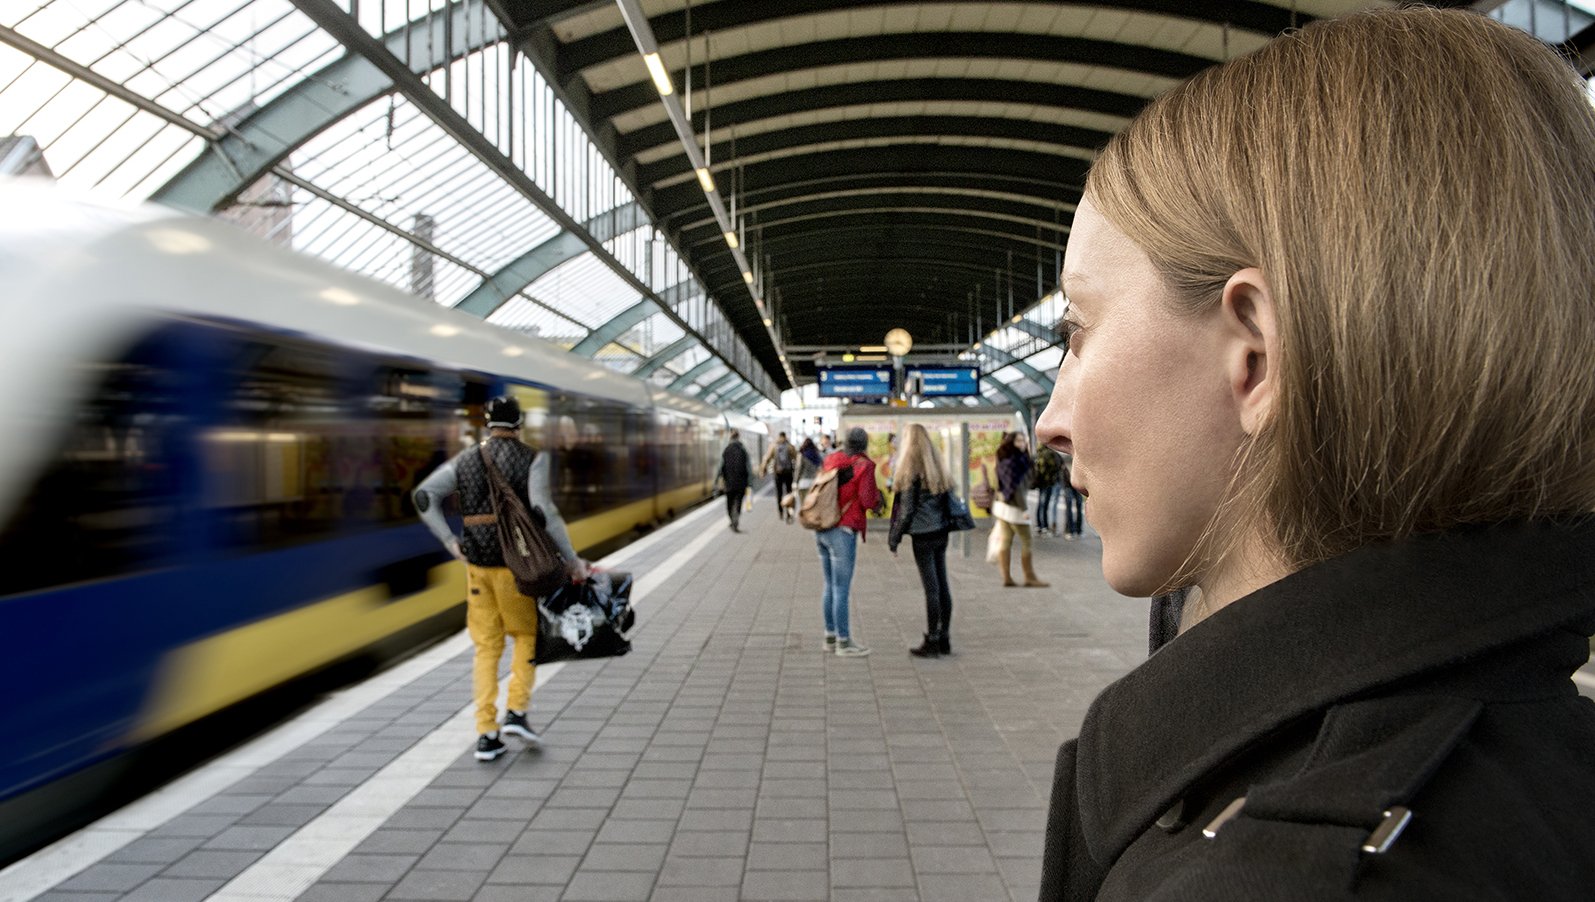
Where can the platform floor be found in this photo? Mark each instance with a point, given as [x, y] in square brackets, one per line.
[726, 757]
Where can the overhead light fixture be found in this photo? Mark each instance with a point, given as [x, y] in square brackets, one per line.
[1017, 318]
[731, 239]
[747, 277]
[848, 358]
[706, 178]
[872, 349]
[656, 68]
[767, 322]
[977, 345]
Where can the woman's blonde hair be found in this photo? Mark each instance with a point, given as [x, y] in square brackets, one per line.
[1418, 187]
[919, 460]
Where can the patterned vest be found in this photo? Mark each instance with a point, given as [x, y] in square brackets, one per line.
[514, 460]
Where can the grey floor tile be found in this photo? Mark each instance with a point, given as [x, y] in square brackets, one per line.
[588, 886]
[344, 892]
[168, 889]
[111, 877]
[384, 869]
[438, 885]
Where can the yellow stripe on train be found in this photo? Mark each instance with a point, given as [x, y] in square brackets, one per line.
[206, 676]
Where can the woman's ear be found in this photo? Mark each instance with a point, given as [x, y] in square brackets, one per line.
[1251, 328]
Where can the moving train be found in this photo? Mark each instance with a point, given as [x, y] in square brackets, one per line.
[209, 448]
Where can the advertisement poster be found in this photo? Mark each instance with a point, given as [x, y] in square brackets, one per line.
[984, 437]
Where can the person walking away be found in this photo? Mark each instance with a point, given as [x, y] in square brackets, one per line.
[919, 510]
[1073, 502]
[838, 546]
[781, 459]
[494, 607]
[736, 472]
[1013, 473]
[1048, 470]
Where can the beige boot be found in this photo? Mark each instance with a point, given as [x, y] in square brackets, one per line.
[1031, 580]
[1002, 567]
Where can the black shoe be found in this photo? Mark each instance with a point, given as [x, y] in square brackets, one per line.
[515, 725]
[488, 747]
[930, 648]
[944, 644]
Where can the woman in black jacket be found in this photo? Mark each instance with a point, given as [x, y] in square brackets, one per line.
[920, 511]
[1327, 381]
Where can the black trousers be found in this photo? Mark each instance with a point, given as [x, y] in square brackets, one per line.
[930, 556]
[734, 504]
[783, 485]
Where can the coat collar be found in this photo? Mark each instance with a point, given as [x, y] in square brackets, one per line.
[1331, 631]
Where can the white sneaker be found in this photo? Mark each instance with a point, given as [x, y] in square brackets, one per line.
[847, 648]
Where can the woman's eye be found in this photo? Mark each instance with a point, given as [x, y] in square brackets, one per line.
[1071, 336]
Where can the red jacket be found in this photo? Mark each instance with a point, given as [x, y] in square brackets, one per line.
[858, 494]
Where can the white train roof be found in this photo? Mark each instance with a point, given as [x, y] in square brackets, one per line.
[62, 251]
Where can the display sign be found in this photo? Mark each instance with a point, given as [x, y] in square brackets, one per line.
[946, 381]
[861, 383]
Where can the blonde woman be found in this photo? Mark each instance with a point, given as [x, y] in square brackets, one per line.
[1328, 374]
[920, 511]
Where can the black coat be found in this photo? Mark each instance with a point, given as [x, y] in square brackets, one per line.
[917, 511]
[1430, 675]
[735, 468]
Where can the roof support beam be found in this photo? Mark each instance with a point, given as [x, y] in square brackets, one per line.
[616, 327]
[266, 136]
[1038, 330]
[670, 352]
[1004, 358]
[498, 288]
[723, 382]
[690, 376]
[335, 21]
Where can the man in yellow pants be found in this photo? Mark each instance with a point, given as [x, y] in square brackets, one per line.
[494, 606]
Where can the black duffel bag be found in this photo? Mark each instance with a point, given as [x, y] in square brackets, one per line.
[592, 619]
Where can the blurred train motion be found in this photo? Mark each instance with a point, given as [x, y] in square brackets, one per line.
[209, 448]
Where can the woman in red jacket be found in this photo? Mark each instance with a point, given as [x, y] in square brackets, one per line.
[839, 545]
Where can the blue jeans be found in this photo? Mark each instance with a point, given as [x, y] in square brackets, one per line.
[1073, 508]
[1047, 508]
[838, 551]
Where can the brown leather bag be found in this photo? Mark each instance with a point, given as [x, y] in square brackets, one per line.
[529, 551]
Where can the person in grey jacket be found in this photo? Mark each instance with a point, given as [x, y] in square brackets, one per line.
[919, 510]
[494, 606]
[1324, 389]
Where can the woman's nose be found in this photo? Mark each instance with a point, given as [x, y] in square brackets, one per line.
[1054, 428]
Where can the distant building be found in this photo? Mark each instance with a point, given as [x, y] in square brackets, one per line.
[21, 155]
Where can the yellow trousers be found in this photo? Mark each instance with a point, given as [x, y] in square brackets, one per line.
[494, 607]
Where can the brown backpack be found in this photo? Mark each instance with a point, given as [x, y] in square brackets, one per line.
[822, 508]
[529, 551]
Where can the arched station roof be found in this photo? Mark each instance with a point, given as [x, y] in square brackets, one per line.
[880, 163]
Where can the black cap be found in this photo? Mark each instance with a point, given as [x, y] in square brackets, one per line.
[504, 412]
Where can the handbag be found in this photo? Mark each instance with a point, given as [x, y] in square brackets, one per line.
[592, 619]
[982, 495]
[958, 517]
[529, 551]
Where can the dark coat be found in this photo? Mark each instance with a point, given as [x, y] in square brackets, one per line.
[1012, 471]
[1430, 675]
[735, 468]
[917, 512]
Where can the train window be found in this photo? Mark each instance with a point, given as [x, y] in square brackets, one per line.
[286, 461]
[314, 441]
[108, 503]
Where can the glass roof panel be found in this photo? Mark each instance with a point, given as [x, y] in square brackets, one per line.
[204, 61]
[586, 289]
[1047, 359]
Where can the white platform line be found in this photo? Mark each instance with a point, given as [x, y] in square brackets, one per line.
[300, 860]
[69, 856]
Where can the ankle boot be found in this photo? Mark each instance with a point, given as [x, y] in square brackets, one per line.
[946, 646]
[1002, 567]
[930, 648]
[1031, 580]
